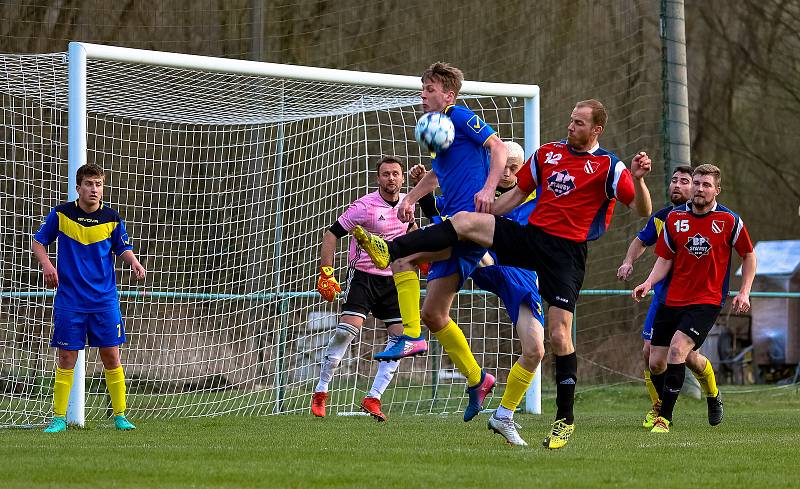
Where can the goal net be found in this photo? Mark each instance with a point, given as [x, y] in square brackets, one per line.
[227, 175]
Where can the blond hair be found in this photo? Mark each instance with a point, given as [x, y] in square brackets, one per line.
[514, 151]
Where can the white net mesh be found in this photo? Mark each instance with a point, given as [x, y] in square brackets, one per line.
[226, 184]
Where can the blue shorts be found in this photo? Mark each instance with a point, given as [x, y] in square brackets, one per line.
[515, 286]
[647, 331]
[71, 328]
[463, 260]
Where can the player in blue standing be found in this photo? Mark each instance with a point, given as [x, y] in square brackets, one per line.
[680, 191]
[694, 257]
[519, 290]
[467, 173]
[89, 235]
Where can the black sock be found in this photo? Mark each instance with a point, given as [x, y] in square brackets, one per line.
[673, 382]
[430, 238]
[658, 382]
[566, 378]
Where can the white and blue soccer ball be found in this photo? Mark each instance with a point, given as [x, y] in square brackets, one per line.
[434, 132]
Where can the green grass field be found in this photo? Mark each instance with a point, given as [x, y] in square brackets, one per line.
[758, 446]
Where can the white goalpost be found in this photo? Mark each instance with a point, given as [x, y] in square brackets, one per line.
[226, 172]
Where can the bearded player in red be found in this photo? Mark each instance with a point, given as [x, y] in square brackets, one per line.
[694, 257]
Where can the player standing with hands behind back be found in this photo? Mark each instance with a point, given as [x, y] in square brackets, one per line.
[89, 234]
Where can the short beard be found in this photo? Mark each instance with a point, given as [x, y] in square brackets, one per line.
[680, 200]
[697, 201]
[391, 192]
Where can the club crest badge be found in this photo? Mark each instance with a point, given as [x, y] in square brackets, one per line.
[717, 226]
[698, 246]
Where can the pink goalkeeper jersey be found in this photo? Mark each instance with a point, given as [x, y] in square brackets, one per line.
[377, 217]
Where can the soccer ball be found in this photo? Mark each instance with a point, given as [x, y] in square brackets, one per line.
[434, 132]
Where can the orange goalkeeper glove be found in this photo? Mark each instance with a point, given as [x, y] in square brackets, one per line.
[327, 286]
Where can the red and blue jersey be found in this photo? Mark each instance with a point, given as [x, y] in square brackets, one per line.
[576, 190]
[87, 281]
[462, 168]
[700, 247]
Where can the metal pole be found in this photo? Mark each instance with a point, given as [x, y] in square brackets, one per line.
[257, 30]
[675, 111]
[277, 283]
[533, 396]
[76, 135]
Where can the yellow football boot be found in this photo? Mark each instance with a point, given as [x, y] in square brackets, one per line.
[375, 246]
[559, 436]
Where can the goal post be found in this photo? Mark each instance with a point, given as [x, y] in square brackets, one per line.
[226, 172]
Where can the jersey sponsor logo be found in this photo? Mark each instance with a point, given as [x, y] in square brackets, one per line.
[717, 226]
[698, 246]
[475, 123]
[552, 158]
[590, 167]
[561, 183]
[88, 219]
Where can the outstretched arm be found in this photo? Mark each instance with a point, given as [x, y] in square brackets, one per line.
[506, 202]
[405, 209]
[741, 303]
[635, 250]
[659, 272]
[484, 200]
[640, 167]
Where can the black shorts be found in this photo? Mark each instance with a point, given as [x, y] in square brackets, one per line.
[694, 320]
[559, 262]
[367, 293]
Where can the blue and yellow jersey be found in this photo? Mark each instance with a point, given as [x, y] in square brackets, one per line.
[462, 169]
[649, 236]
[87, 244]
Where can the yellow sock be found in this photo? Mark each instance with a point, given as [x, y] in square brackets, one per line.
[408, 294]
[651, 389]
[455, 344]
[61, 391]
[115, 383]
[518, 382]
[707, 380]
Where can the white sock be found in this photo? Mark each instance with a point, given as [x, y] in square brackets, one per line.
[385, 373]
[503, 413]
[338, 345]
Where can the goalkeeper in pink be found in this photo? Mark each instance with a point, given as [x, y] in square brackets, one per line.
[369, 289]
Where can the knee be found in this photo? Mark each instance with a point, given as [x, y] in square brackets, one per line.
[532, 355]
[462, 222]
[560, 336]
[434, 320]
[67, 359]
[657, 365]
[402, 265]
[110, 358]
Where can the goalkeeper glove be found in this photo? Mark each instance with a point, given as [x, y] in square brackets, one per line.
[327, 286]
